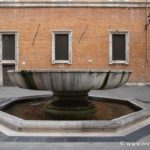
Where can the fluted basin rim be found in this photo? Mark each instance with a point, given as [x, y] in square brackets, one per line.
[67, 80]
[70, 70]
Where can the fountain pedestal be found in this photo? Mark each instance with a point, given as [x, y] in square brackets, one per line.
[70, 105]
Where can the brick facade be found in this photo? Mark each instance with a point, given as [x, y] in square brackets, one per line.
[90, 29]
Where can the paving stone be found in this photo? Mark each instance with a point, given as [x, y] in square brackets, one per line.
[137, 135]
[55, 139]
[8, 139]
[30, 139]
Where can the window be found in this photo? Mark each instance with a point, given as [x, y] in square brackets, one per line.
[8, 55]
[8, 47]
[118, 48]
[61, 47]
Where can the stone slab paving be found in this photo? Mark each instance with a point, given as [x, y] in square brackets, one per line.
[139, 139]
[140, 93]
[9, 92]
[72, 146]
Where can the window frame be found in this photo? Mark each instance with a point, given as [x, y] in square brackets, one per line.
[126, 61]
[5, 62]
[69, 61]
[16, 47]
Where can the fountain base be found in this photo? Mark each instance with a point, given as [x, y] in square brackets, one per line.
[72, 105]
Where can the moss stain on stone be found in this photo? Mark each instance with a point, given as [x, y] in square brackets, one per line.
[28, 76]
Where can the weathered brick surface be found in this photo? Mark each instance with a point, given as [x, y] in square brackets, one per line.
[85, 0]
[94, 44]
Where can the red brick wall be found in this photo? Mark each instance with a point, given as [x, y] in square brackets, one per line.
[90, 0]
[94, 44]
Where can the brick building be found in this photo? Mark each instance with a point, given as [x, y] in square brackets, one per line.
[93, 34]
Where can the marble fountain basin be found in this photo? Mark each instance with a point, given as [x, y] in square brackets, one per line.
[70, 88]
[69, 80]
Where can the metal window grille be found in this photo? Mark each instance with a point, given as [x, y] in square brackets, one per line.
[61, 46]
[118, 47]
[8, 46]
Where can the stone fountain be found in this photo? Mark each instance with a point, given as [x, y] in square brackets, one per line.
[70, 88]
[70, 109]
